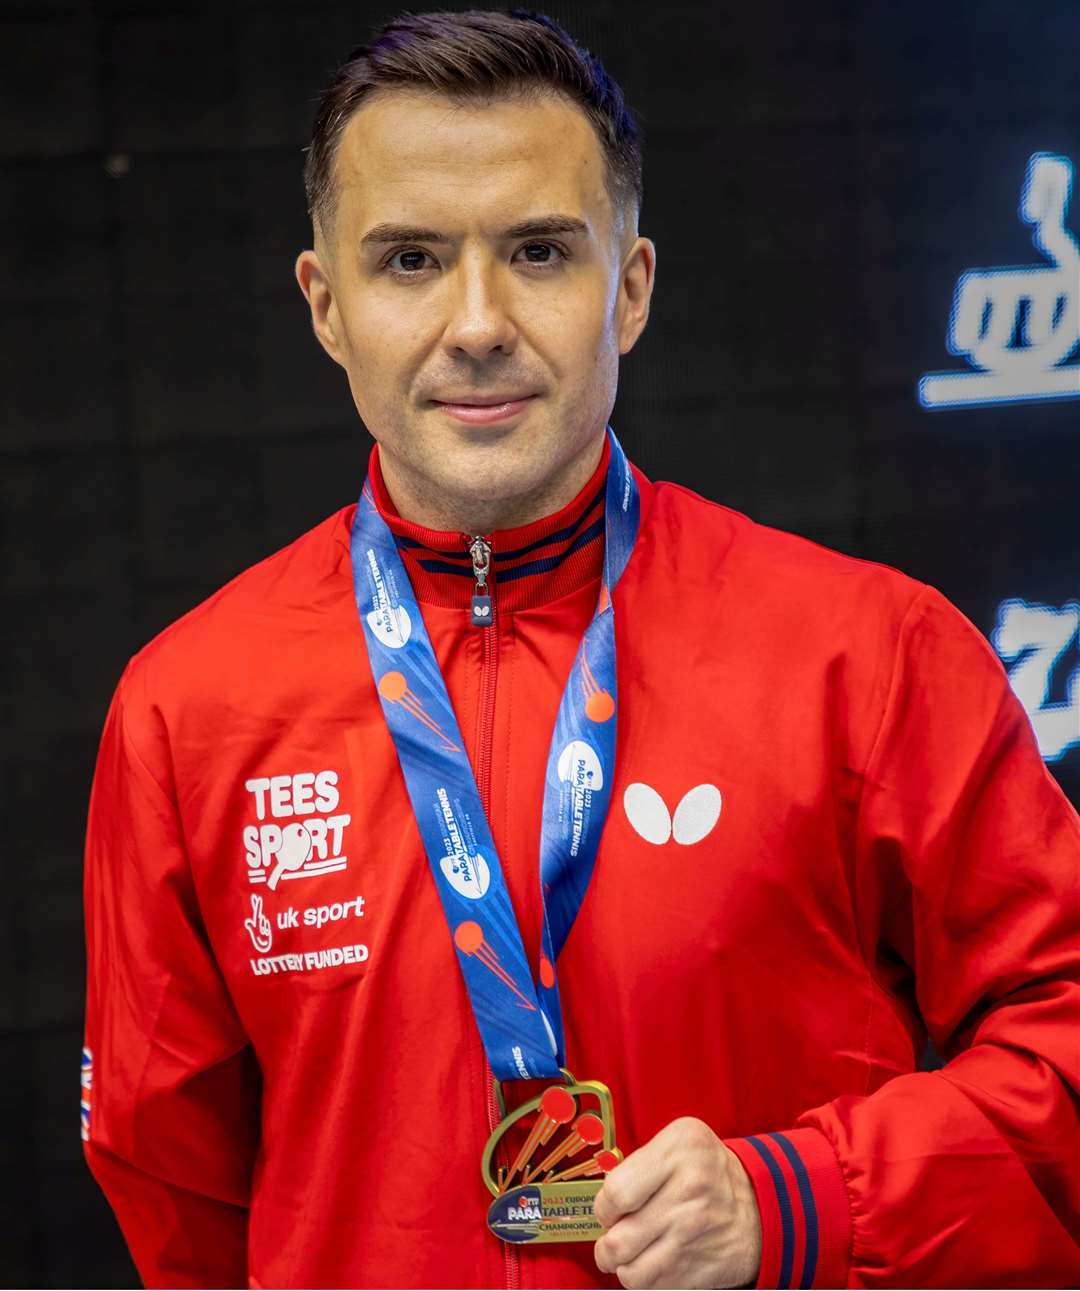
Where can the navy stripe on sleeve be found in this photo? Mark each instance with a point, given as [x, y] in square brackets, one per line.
[783, 1200]
[806, 1192]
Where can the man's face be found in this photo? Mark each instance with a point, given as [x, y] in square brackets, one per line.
[477, 258]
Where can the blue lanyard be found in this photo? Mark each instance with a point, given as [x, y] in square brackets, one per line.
[520, 1020]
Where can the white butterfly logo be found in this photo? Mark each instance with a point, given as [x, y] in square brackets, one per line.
[695, 816]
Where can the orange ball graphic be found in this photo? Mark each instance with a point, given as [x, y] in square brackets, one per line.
[599, 706]
[468, 937]
[393, 685]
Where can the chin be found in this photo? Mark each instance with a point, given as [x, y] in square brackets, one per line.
[497, 483]
[500, 464]
[497, 489]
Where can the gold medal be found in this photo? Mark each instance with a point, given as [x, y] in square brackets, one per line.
[546, 1194]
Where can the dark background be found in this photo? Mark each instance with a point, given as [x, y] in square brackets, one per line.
[817, 177]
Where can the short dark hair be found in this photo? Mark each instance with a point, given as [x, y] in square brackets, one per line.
[477, 55]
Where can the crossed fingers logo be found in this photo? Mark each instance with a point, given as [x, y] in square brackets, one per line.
[258, 926]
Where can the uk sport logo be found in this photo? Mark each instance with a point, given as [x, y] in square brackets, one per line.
[258, 926]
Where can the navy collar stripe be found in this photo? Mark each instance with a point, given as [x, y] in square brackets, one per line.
[500, 557]
[544, 565]
[559, 535]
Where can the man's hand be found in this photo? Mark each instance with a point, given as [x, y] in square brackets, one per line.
[680, 1212]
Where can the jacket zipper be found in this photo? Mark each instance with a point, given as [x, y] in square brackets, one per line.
[480, 551]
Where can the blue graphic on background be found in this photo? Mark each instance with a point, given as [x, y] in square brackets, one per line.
[520, 1020]
[1037, 637]
[1019, 325]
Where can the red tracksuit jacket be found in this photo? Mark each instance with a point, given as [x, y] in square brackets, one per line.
[284, 1085]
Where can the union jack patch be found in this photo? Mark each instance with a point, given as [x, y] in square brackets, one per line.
[86, 1080]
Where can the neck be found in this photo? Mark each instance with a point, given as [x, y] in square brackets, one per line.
[531, 564]
[415, 499]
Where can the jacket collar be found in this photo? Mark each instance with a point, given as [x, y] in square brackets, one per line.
[530, 565]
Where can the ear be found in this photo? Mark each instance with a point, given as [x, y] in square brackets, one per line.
[635, 292]
[318, 288]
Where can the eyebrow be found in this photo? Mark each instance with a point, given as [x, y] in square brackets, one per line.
[542, 226]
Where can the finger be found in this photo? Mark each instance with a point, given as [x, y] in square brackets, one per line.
[256, 904]
[625, 1241]
[630, 1185]
[654, 1267]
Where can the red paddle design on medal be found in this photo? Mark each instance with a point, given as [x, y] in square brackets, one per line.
[551, 1199]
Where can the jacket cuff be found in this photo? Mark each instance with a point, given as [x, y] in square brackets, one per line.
[804, 1208]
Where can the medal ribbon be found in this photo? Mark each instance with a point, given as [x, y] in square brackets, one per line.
[520, 1019]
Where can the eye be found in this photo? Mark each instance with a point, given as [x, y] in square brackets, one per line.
[411, 262]
[557, 253]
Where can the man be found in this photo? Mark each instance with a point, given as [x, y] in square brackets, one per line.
[826, 829]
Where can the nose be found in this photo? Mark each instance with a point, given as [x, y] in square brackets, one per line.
[480, 321]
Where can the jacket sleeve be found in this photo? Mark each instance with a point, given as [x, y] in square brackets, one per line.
[170, 1088]
[968, 1175]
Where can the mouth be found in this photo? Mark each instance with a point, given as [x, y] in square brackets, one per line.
[479, 409]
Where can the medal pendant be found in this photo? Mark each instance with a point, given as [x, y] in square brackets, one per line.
[546, 1193]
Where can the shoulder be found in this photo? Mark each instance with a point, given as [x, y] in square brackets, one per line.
[779, 571]
[245, 624]
[783, 594]
[805, 619]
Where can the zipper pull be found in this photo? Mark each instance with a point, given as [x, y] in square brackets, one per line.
[480, 610]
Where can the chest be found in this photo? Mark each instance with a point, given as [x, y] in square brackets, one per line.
[723, 825]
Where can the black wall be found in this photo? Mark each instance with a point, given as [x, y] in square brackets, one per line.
[817, 178]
